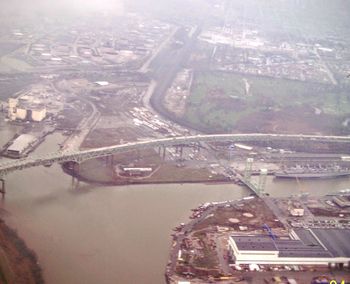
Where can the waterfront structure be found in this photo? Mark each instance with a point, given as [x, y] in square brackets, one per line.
[20, 145]
[303, 247]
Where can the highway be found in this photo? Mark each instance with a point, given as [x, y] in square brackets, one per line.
[80, 156]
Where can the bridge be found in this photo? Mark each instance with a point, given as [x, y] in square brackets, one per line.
[83, 155]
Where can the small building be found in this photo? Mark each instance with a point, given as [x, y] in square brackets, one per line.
[243, 147]
[136, 171]
[102, 83]
[296, 212]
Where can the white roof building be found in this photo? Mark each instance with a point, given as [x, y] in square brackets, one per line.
[21, 143]
[304, 247]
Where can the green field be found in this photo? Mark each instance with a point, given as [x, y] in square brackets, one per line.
[219, 100]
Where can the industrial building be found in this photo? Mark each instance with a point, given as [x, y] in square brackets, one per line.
[328, 247]
[19, 146]
[342, 201]
[23, 110]
[133, 171]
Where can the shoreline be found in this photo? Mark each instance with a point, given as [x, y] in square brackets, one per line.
[18, 263]
[73, 173]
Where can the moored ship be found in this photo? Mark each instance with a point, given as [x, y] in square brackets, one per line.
[307, 173]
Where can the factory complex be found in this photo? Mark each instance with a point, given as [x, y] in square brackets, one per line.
[23, 109]
[238, 240]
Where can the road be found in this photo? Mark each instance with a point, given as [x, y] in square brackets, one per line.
[73, 142]
[80, 156]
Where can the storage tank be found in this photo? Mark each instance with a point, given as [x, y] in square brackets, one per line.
[12, 108]
[13, 102]
[21, 113]
[38, 114]
[12, 115]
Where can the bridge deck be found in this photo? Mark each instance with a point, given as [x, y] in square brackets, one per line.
[79, 156]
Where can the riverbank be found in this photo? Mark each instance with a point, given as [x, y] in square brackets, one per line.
[72, 171]
[18, 263]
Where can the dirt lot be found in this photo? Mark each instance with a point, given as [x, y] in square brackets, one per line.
[108, 137]
[222, 217]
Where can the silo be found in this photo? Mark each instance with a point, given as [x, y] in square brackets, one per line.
[21, 113]
[38, 114]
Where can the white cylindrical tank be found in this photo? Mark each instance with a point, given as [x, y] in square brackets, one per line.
[21, 113]
[38, 114]
[12, 115]
[12, 103]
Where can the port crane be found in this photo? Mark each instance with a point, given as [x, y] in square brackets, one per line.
[269, 231]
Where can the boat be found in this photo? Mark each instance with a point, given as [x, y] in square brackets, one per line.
[309, 173]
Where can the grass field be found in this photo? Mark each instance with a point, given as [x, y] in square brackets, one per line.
[218, 100]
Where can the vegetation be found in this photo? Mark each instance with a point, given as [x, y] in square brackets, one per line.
[219, 100]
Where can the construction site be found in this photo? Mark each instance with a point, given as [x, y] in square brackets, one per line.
[302, 239]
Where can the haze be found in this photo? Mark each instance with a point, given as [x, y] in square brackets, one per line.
[153, 141]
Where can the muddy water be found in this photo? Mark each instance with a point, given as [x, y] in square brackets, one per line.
[99, 234]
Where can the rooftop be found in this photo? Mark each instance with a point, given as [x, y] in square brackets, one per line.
[309, 243]
[336, 240]
[257, 243]
[21, 143]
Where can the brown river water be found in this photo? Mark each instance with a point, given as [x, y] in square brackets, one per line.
[97, 234]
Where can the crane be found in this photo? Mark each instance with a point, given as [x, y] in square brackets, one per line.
[269, 231]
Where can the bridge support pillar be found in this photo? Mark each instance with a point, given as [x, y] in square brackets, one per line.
[262, 181]
[109, 160]
[75, 182]
[3, 188]
[164, 152]
[181, 151]
[248, 169]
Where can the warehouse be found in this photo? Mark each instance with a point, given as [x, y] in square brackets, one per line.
[303, 247]
[20, 145]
